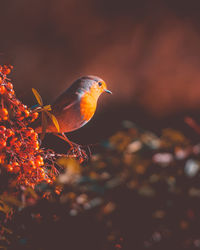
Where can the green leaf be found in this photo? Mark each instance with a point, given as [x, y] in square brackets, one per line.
[54, 120]
[37, 96]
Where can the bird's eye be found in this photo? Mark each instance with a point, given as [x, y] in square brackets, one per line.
[100, 83]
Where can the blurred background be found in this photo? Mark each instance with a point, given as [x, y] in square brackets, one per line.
[140, 188]
[148, 52]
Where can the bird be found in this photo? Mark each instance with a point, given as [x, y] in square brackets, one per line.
[75, 106]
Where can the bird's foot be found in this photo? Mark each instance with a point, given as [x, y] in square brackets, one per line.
[78, 152]
[75, 150]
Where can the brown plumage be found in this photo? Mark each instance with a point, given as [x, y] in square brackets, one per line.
[76, 105]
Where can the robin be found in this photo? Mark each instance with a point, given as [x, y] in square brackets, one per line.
[76, 105]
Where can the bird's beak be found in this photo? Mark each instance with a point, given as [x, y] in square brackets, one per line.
[107, 91]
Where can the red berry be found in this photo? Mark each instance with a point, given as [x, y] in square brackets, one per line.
[2, 89]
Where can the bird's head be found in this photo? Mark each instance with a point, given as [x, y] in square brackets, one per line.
[93, 85]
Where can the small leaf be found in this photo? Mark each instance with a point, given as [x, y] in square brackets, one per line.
[37, 96]
[4, 207]
[9, 199]
[47, 107]
[32, 192]
[54, 120]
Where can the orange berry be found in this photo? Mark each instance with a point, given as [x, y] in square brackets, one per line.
[57, 191]
[36, 145]
[2, 129]
[2, 89]
[2, 158]
[19, 113]
[1, 80]
[29, 131]
[39, 157]
[2, 143]
[3, 112]
[18, 144]
[31, 163]
[16, 169]
[34, 116]
[26, 113]
[9, 167]
[13, 140]
[17, 102]
[39, 163]
[6, 70]
[9, 84]
[34, 136]
[15, 164]
[9, 132]
[12, 92]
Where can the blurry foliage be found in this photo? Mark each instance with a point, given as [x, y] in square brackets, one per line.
[142, 195]
[141, 191]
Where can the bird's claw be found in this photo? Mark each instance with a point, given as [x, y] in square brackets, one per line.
[78, 152]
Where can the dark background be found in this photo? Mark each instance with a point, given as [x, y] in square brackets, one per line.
[148, 52]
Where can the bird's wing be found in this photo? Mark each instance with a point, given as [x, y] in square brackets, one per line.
[65, 101]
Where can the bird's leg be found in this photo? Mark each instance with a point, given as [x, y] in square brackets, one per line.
[74, 148]
[64, 137]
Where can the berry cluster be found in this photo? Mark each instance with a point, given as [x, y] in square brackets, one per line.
[20, 151]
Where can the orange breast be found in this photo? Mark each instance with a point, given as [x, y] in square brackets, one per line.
[88, 105]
